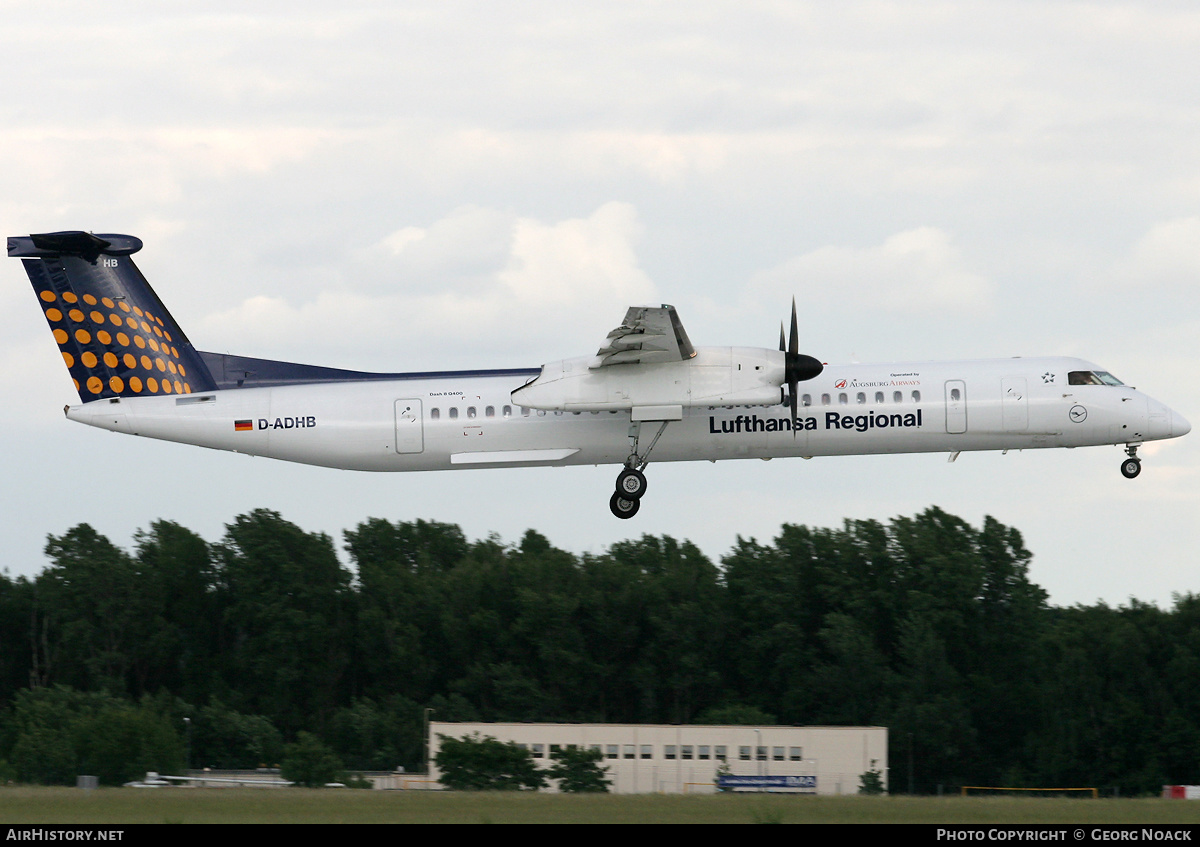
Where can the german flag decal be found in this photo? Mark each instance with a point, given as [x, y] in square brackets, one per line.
[243, 426]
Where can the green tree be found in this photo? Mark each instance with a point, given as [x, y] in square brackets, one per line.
[473, 763]
[60, 733]
[309, 762]
[287, 622]
[579, 771]
[224, 738]
[871, 782]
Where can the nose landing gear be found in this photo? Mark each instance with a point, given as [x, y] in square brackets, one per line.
[1132, 466]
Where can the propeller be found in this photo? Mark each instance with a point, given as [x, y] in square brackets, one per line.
[798, 367]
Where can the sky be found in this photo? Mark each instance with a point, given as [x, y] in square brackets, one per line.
[399, 186]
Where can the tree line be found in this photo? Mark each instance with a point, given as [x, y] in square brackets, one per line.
[925, 624]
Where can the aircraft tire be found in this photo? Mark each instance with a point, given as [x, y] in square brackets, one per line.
[631, 484]
[1131, 468]
[622, 507]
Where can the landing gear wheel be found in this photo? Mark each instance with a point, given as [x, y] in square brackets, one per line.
[623, 508]
[631, 484]
[1131, 468]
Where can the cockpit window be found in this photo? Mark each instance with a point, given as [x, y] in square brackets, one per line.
[1092, 378]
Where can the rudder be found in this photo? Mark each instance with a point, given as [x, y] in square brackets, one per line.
[115, 335]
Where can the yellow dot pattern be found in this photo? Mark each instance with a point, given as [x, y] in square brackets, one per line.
[110, 363]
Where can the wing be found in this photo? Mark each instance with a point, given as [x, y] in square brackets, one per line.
[649, 334]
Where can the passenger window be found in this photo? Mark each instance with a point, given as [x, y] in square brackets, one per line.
[878, 396]
[489, 412]
[453, 412]
[806, 400]
[435, 413]
[524, 411]
[862, 398]
[843, 399]
[507, 411]
[470, 411]
[955, 395]
[916, 395]
[541, 413]
[824, 399]
[897, 397]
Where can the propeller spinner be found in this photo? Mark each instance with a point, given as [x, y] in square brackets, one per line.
[798, 367]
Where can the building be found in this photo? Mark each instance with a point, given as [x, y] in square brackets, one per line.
[673, 759]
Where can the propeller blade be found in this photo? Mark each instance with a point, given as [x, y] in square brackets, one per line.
[797, 367]
[794, 341]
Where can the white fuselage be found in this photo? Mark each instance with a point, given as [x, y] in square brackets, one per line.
[470, 421]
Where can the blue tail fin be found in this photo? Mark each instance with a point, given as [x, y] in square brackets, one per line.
[116, 336]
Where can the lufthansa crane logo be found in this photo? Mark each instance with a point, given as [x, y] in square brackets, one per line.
[1078, 414]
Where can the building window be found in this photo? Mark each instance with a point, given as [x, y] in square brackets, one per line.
[744, 754]
[704, 752]
[669, 751]
[796, 754]
[760, 753]
[610, 752]
[629, 752]
[539, 751]
[685, 752]
[647, 751]
[777, 754]
[720, 753]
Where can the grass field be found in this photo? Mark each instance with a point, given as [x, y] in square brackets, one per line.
[238, 805]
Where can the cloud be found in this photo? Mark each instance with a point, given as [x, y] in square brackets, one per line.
[478, 288]
[910, 271]
[1168, 255]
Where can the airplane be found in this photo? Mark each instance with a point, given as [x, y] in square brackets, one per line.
[646, 391]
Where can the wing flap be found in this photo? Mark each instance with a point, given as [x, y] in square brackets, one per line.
[647, 335]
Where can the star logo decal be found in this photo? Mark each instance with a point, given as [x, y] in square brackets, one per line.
[1047, 377]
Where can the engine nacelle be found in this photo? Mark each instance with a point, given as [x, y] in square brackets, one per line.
[715, 376]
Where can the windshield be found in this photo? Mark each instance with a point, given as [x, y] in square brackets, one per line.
[1092, 378]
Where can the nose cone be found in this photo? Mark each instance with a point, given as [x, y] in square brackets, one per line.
[1179, 425]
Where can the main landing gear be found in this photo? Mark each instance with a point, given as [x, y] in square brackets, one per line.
[631, 482]
[1132, 466]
